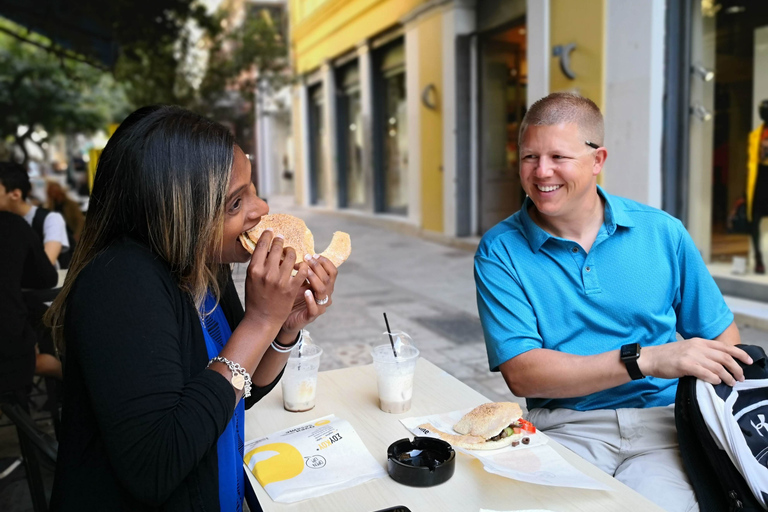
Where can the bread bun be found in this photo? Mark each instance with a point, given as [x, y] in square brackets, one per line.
[489, 419]
[470, 442]
[297, 236]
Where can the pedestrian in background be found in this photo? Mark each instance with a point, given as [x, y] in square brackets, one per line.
[14, 192]
[59, 201]
[23, 264]
[158, 351]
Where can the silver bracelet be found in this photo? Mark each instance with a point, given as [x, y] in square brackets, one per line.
[240, 378]
[278, 348]
[283, 349]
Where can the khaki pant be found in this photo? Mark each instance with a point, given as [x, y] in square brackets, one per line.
[636, 446]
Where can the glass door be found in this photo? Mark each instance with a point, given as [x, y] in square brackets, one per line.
[503, 81]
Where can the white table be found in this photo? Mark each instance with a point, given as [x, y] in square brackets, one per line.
[351, 394]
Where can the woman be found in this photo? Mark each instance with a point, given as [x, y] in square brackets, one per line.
[159, 351]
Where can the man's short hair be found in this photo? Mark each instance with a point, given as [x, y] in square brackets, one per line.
[14, 176]
[566, 107]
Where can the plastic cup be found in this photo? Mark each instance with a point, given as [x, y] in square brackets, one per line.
[299, 380]
[394, 376]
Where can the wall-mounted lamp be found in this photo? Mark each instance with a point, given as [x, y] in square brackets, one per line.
[564, 52]
[701, 112]
[429, 97]
[705, 74]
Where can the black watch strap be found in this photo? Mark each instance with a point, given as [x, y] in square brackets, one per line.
[629, 355]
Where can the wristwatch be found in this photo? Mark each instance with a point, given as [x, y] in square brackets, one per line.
[629, 355]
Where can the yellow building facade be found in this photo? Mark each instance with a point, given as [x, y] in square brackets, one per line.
[409, 110]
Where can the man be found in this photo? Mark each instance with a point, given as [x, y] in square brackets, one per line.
[23, 263]
[577, 274]
[14, 189]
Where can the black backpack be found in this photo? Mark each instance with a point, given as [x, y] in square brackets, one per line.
[38, 221]
[719, 484]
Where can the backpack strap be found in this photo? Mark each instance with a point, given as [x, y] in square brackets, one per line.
[39, 220]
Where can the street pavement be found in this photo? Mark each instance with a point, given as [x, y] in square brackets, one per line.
[426, 289]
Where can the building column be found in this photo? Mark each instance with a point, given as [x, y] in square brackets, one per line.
[701, 130]
[331, 134]
[634, 99]
[264, 144]
[537, 34]
[365, 65]
[413, 95]
[301, 147]
[458, 20]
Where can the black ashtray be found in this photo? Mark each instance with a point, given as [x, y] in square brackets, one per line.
[423, 462]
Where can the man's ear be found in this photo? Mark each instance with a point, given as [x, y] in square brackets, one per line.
[601, 154]
[15, 195]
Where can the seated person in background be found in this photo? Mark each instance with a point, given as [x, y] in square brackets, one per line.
[579, 278]
[14, 190]
[159, 353]
[59, 201]
[23, 264]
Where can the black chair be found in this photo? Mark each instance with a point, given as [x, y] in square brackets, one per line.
[36, 446]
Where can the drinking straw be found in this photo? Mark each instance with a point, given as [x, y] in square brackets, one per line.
[391, 341]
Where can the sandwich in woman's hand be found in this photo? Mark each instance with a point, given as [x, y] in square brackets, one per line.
[298, 236]
[487, 427]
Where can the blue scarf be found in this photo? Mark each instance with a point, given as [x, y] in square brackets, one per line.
[229, 447]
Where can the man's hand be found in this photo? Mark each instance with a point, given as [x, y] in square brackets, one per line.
[712, 361]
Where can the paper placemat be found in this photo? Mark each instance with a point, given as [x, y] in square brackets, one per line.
[309, 460]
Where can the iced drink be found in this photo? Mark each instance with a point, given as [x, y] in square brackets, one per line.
[395, 376]
[299, 381]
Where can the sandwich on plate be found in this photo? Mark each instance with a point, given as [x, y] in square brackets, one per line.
[487, 427]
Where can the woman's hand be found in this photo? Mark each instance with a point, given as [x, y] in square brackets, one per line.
[322, 279]
[270, 289]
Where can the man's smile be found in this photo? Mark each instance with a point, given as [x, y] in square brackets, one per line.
[548, 188]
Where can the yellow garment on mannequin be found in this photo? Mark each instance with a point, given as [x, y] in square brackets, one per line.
[753, 155]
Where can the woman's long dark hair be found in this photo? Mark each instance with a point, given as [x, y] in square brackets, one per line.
[162, 179]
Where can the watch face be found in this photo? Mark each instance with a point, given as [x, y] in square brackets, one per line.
[629, 351]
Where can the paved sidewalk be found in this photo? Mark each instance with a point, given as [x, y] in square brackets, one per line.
[426, 289]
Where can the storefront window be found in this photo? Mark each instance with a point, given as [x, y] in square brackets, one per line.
[317, 170]
[391, 130]
[739, 170]
[396, 144]
[503, 82]
[350, 129]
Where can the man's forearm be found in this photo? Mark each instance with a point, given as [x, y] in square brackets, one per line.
[550, 374]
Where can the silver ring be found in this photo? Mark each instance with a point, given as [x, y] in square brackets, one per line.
[323, 302]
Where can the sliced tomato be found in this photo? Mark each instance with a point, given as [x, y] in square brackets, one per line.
[526, 425]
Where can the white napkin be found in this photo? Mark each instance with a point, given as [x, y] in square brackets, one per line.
[309, 460]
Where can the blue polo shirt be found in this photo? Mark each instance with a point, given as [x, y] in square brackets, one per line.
[642, 281]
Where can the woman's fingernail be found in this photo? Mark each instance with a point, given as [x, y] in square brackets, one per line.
[281, 237]
[315, 256]
[269, 229]
[307, 257]
[307, 293]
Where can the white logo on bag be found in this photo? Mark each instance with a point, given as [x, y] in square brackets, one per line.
[760, 425]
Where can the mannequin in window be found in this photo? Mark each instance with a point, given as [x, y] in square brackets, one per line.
[757, 182]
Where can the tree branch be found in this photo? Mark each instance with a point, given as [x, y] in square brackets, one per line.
[64, 54]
